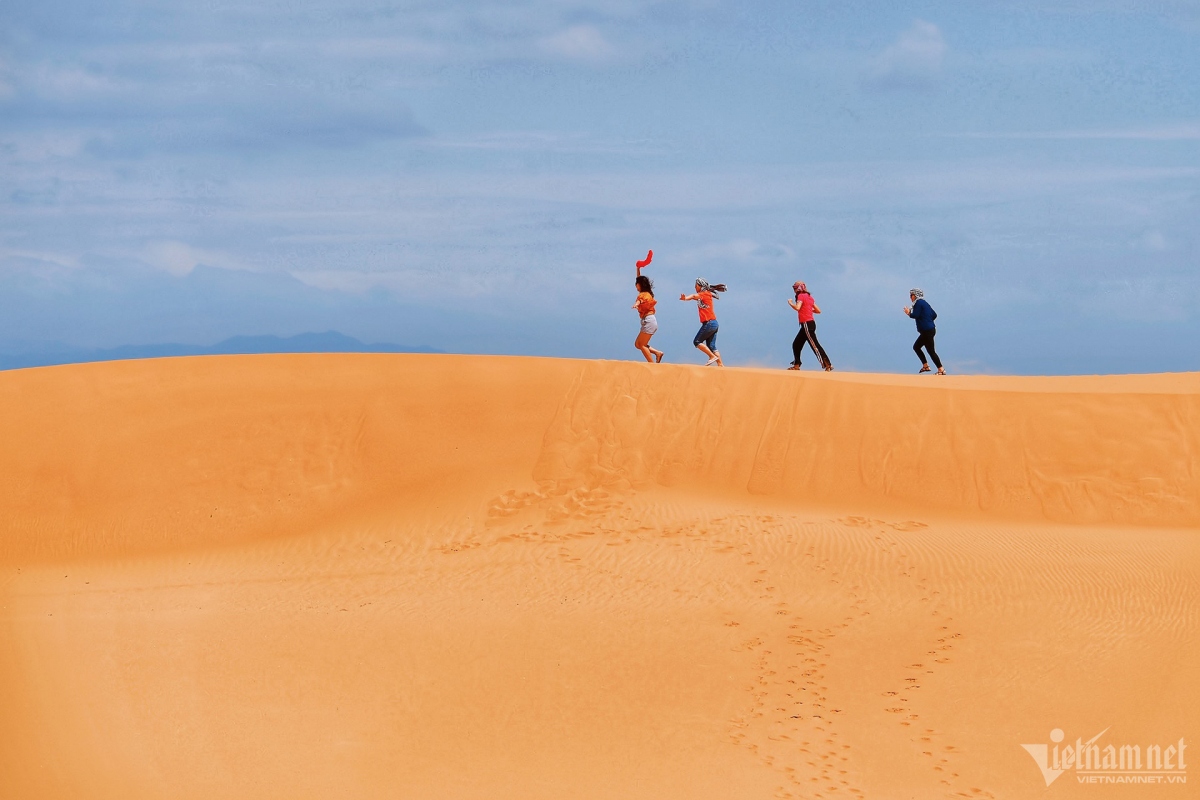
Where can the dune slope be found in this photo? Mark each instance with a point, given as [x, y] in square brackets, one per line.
[443, 576]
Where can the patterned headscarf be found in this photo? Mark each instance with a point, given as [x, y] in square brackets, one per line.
[712, 288]
[799, 288]
[917, 293]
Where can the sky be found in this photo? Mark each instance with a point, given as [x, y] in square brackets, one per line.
[481, 177]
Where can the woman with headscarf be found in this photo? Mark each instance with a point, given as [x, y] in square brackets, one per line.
[806, 307]
[706, 338]
[924, 315]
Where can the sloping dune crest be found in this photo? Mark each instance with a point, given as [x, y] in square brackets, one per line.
[373, 576]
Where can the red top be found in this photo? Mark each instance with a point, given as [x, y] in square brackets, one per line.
[705, 303]
[807, 304]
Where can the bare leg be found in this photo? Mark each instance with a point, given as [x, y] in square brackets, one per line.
[642, 342]
[717, 354]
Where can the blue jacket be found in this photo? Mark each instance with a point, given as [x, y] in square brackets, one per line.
[924, 314]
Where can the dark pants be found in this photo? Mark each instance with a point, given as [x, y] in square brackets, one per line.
[808, 333]
[707, 335]
[926, 340]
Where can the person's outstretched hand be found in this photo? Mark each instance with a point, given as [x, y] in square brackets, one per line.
[682, 296]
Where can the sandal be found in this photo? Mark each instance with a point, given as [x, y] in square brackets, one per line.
[924, 368]
[658, 358]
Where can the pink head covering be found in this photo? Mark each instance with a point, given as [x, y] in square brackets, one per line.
[799, 288]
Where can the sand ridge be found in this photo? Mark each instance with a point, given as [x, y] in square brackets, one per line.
[173, 452]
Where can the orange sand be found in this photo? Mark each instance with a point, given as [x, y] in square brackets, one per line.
[381, 576]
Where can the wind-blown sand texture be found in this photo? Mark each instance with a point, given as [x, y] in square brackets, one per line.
[395, 576]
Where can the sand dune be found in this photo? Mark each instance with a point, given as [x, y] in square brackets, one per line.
[445, 576]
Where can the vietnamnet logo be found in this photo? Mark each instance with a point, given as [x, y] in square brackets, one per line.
[1095, 762]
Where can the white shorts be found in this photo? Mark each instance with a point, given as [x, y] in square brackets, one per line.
[649, 324]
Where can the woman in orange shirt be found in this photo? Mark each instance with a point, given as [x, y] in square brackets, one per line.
[645, 307]
[706, 339]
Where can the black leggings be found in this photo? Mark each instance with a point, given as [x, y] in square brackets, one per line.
[926, 340]
[808, 333]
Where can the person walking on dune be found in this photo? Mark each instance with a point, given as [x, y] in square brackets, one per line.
[706, 337]
[806, 307]
[644, 305]
[924, 314]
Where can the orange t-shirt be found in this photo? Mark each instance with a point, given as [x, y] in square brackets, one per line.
[705, 303]
[645, 304]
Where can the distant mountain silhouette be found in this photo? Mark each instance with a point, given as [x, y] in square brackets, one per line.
[45, 354]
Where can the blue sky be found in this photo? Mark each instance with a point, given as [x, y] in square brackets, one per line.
[481, 177]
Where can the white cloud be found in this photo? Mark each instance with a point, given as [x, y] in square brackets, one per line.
[43, 260]
[178, 258]
[1154, 241]
[43, 145]
[913, 61]
[70, 81]
[738, 251]
[547, 142]
[579, 43]
[1186, 131]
